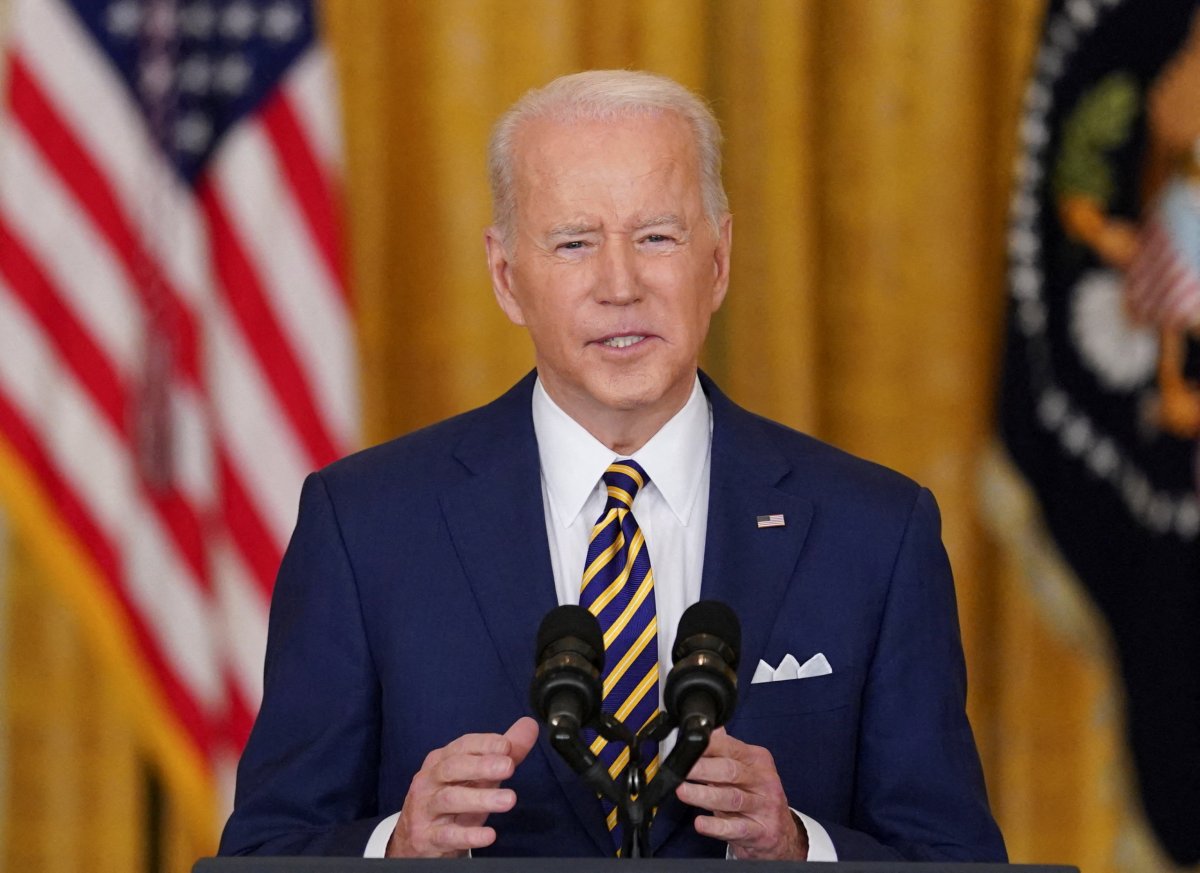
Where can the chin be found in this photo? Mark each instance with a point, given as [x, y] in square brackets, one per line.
[634, 393]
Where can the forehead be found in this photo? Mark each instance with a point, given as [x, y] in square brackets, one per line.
[619, 163]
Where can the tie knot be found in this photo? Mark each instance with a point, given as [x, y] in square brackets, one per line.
[623, 479]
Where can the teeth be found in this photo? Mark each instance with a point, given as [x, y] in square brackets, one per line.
[622, 342]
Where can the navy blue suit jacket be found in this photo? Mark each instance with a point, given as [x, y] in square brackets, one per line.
[409, 598]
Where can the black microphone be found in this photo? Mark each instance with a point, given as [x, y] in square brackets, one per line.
[701, 689]
[566, 689]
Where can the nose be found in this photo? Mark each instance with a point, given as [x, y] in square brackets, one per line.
[617, 280]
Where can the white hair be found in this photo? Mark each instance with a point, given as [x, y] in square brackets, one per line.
[601, 95]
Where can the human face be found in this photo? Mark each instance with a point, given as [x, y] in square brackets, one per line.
[613, 267]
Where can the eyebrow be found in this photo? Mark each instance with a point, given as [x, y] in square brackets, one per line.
[573, 229]
[668, 218]
[582, 227]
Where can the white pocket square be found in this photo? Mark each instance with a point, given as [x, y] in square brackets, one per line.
[790, 668]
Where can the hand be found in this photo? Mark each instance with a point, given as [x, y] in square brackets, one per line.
[456, 789]
[739, 784]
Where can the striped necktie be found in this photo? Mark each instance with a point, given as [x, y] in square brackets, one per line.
[618, 588]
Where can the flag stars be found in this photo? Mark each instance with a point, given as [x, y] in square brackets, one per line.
[196, 66]
[233, 75]
[123, 19]
[160, 22]
[239, 20]
[198, 20]
[193, 133]
[155, 77]
[195, 74]
[281, 22]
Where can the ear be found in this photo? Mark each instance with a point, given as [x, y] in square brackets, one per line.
[721, 261]
[500, 267]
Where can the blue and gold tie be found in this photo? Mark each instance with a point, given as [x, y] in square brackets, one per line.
[618, 588]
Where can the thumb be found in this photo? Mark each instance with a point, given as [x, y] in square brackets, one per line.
[522, 736]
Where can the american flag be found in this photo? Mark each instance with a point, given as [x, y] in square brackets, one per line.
[176, 339]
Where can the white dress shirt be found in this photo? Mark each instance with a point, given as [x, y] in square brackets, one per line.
[671, 510]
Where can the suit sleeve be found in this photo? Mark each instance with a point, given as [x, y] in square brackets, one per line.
[919, 792]
[307, 781]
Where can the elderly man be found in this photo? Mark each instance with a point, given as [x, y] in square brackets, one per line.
[620, 478]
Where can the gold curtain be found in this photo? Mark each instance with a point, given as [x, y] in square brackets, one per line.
[868, 153]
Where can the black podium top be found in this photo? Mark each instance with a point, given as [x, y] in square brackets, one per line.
[595, 865]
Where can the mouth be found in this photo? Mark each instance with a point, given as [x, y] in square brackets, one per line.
[623, 342]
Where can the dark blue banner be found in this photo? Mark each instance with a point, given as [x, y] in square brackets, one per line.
[1098, 405]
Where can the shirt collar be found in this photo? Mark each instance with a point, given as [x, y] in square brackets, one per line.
[573, 460]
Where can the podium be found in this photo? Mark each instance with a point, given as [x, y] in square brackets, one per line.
[597, 865]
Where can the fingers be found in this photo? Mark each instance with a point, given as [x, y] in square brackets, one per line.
[738, 785]
[729, 761]
[465, 803]
[466, 767]
[781, 839]
[472, 744]
[716, 770]
[719, 799]
[486, 758]
[454, 840]
[456, 789]
[738, 832]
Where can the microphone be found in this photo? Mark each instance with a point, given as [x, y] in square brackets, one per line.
[701, 689]
[566, 690]
[700, 694]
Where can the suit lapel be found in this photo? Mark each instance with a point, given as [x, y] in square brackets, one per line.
[747, 567]
[498, 526]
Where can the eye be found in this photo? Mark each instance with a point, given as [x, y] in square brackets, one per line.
[657, 239]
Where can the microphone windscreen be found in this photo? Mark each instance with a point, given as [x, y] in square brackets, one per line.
[571, 621]
[714, 618]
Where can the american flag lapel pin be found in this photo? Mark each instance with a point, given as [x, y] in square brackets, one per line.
[775, 519]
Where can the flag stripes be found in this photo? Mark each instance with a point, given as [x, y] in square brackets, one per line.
[1161, 288]
[306, 180]
[23, 439]
[176, 350]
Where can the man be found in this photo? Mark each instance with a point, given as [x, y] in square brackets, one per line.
[403, 622]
